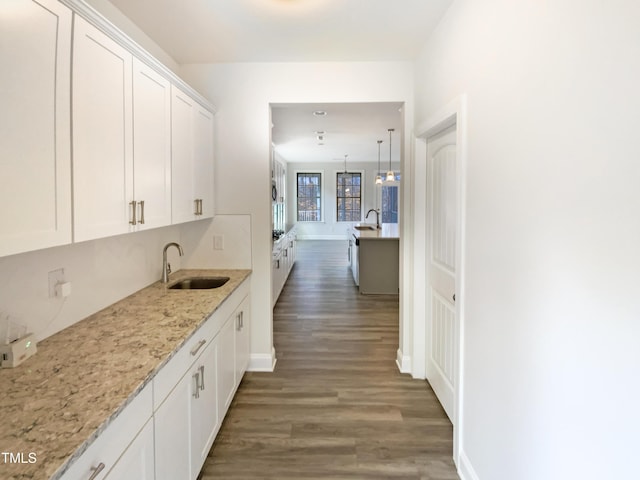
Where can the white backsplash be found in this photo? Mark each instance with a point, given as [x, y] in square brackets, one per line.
[101, 272]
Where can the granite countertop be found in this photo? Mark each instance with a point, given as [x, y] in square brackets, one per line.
[81, 378]
[389, 231]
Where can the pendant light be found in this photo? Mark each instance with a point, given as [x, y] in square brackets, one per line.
[378, 177]
[345, 171]
[390, 175]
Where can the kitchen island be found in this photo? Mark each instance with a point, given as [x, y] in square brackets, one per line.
[375, 258]
[61, 401]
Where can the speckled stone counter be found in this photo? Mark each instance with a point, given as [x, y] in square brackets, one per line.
[55, 404]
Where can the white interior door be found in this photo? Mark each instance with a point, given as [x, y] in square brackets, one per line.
[441, 266]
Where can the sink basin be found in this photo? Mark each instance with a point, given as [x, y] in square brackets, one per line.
[364, 227]
[199, 283]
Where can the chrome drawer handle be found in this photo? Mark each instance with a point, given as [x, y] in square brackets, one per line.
[133, 213]
[196, 393]
[96, 471]
[141, 202]
[201, 377]
[194, 350]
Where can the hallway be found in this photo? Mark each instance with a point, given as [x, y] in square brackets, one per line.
[336, 405]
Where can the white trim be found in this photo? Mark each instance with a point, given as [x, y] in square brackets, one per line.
[403, 362]
[454, 113]
[94, 17]
[465, 469]
[261, 362]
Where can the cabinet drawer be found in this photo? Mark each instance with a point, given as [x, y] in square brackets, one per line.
[114, 440]
[169, 376]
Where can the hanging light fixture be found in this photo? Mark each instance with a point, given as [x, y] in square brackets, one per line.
[345, 170]
[378, 177]
[390, 175]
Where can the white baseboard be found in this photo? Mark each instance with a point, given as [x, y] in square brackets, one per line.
[261, 362]
[403, 362]
[465, 470]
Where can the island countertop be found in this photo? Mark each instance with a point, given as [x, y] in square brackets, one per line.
[57, 402]
[389, 231]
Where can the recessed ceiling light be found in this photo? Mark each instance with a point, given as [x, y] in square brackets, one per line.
[319, 113]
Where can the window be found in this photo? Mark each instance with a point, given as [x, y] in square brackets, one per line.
[348, 195]
[389, 204]
[309, 197]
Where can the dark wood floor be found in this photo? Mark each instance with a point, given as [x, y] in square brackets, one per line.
[336, 405]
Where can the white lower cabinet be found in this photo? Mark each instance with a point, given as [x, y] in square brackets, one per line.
[167, 430]
[137, 462]
[124, 450]
[208, 369]
[186, 422]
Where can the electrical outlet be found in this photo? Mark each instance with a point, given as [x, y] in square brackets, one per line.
[218, 242]
[55, 277]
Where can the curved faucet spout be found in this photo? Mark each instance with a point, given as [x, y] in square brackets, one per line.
[166, 266]
[377, 212]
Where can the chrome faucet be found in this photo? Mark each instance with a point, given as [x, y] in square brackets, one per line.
[166, 267]
[377, 212]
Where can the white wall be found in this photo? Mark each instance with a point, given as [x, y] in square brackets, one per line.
[330, 228]
[101, 272]
[552, 352]
[242, 92]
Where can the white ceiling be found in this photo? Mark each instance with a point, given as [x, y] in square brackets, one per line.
[350, 129]
[210, 31]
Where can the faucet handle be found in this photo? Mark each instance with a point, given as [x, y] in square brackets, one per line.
[168, 268]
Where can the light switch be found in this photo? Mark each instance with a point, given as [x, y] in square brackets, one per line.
[218, 242]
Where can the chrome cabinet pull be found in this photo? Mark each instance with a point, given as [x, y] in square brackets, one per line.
[242, 319]
[238, 324]
[96, 471]
[195, 203]
[133, 213]
[196, 375]
[195, 349]
[141, 202]
[198, 206]
[201, 377]
[286, 252]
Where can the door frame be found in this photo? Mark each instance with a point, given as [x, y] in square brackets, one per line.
[454, 113]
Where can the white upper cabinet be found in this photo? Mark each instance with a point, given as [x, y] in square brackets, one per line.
[192, 158]
[151, 147]
[102, 134]
[35, 162]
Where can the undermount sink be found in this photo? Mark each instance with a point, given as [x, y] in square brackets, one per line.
[199, 283]
[364, 227]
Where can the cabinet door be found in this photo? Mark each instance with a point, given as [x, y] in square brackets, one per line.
[137, 462]
[151, 147]
[203, 161]
[102, 134]
[172, 422]
[183, 204]
[226, 365]
[243, 338]
[35, 162]
[204, 410]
